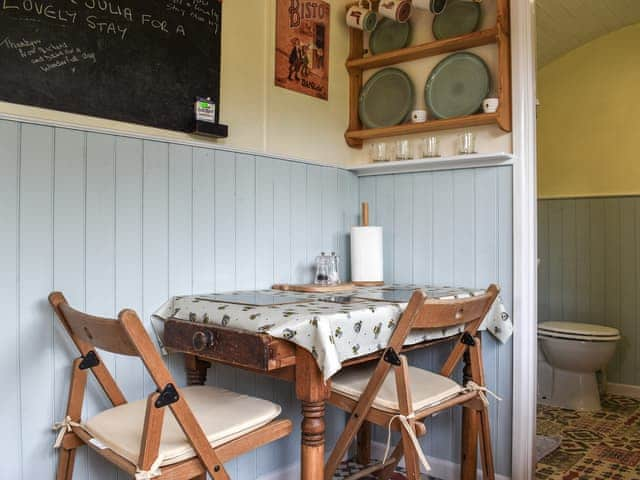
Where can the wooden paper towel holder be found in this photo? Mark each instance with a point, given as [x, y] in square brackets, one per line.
[364, 220]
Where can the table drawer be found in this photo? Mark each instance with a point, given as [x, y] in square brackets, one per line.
[228, 345]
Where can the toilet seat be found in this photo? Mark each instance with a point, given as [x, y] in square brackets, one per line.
[578, 331]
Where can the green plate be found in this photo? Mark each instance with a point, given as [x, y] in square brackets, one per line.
[459, 18]
[457, 86]
[389, 35]
[386, 99]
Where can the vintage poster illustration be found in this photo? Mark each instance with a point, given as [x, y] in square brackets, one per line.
[302, 46]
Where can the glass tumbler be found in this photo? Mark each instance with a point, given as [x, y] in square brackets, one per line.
[467, 142]
[379, 152]
[431, 147]
[403, 149]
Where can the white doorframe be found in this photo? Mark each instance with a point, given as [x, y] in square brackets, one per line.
[524, 239]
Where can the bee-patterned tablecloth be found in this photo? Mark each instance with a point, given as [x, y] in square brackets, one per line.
[332, 332]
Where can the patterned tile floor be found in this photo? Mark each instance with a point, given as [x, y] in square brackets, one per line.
[350, 467]
[602, 445]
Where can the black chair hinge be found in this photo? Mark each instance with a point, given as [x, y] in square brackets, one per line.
[390, 356]
[168, 395]
[89, 360]
[468, 339]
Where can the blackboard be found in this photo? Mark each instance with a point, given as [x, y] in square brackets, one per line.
[140, 61]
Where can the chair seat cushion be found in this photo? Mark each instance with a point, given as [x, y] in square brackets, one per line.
[223, 415]
[427, 388]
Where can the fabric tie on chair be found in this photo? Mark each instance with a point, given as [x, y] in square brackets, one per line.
[404, 423]
[154, 470]
[63, 427]
[482, 392]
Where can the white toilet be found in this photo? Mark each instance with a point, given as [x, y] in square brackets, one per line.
[575, 352]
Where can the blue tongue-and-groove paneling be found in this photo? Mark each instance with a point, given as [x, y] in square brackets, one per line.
[116, 222]
[452, 228]
[119, 222]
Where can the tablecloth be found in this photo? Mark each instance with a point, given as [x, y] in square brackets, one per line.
[332, 332]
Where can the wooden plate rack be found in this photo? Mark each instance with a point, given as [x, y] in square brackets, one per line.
[356, 64]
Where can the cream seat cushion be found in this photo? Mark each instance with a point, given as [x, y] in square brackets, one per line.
[223, 415]
[427, 388]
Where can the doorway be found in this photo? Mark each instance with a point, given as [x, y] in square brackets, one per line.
[588, 389]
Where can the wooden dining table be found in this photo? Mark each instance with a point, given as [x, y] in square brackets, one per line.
[207, 341]
[260, 353]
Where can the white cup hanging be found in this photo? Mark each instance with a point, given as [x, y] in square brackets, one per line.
[398, 10]
[362, 17]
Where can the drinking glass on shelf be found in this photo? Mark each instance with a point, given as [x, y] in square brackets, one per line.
[403, 149]
[379, 152]
[467, 142]
[416, 149]
[391, 151]
[431, 146]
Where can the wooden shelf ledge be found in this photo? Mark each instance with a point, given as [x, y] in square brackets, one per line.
[356, 137]
[453, 162]
[430, 49]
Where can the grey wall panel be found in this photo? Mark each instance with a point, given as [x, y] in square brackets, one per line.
[589, 250]
[10, 414]
[452, 228]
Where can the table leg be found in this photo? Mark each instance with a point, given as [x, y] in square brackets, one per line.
[312, 391]
[363, 454]
[195, 369]
[470, 428]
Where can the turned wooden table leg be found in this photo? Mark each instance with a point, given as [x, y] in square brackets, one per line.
[470, 428]
[195, 369]
[312, 391]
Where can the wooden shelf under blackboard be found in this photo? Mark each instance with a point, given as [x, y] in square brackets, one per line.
[216, 130]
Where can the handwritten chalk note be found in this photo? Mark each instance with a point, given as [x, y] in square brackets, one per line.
[140, 61]
[48, 57]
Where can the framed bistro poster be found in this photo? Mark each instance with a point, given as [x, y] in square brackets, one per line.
[302, 46]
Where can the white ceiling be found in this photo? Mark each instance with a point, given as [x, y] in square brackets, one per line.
[563, 25]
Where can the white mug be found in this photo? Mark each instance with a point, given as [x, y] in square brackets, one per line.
[398, 10]
[490, 105]
[418, 116]
[361, 18]
[421, 4]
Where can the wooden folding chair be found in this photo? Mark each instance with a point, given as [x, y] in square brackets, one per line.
[205, 427]
[369, 393]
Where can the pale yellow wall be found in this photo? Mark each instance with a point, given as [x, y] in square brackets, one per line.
[261, 116]
[589, 119]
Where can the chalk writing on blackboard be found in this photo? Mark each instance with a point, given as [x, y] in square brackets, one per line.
[142, 61]
[50, 56]
[110, 18]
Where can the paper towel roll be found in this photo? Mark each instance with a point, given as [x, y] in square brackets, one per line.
[366, 254]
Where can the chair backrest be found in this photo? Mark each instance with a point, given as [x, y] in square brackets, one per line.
[461, 311]
[423, 312]
[124, 335]
[104, 333]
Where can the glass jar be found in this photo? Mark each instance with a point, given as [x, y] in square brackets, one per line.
[323, 268]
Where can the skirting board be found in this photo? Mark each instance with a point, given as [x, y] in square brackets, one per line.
[442, 469]
[632, 391]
